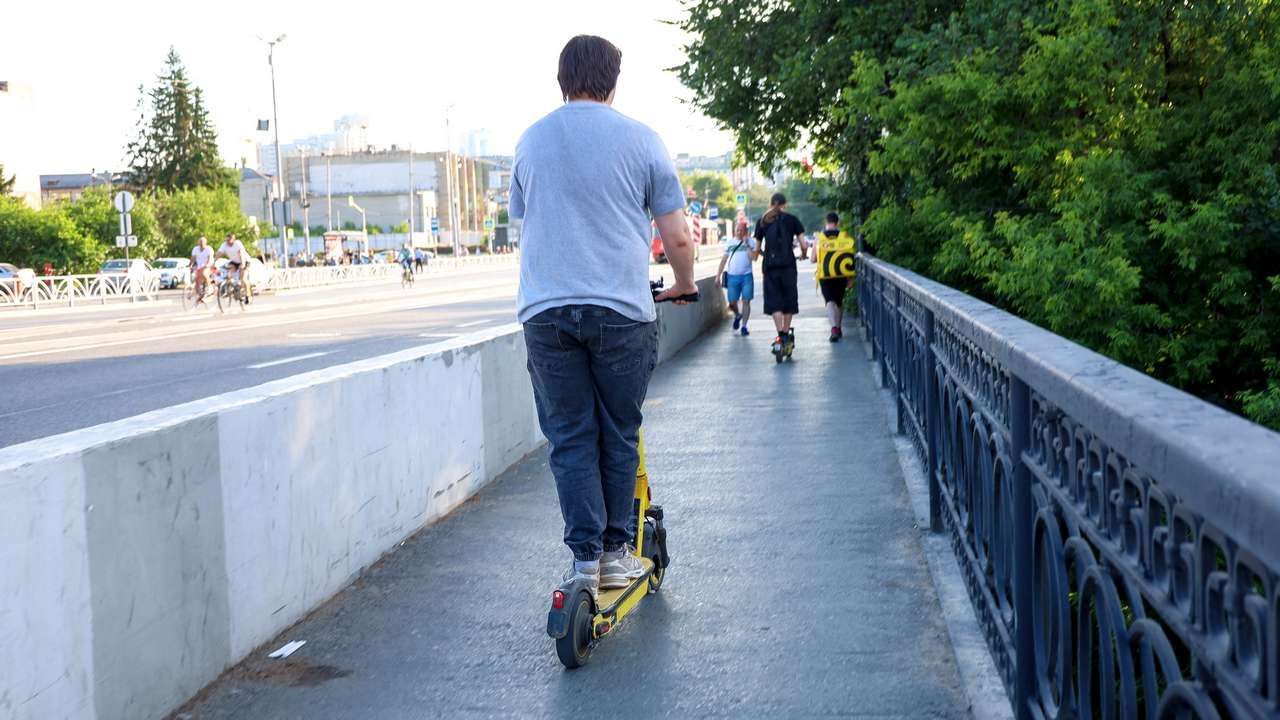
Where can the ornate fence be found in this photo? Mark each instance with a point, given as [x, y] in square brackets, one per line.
[1120, 539]
[71, 290]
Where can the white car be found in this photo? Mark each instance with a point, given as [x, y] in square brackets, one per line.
[174, 272]
[118, 271]
[259, 274]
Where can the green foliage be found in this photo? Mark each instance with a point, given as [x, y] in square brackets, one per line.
[402, 227]
[185, 215]
[321, 230]
[712, 188]
[6, 185]
[351, 225]
[30, 238]
[176, 147]
[1103, 168]
[96, 218]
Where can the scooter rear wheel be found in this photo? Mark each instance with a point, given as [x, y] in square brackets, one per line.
[574, 648]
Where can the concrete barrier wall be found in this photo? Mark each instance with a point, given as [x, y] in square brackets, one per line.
[141, 558]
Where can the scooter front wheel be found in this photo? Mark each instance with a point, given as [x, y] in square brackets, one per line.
[574, 648]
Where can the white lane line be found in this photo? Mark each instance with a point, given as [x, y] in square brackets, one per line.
[474, 323]
[480, 293]
[295, 358]
[315, 335]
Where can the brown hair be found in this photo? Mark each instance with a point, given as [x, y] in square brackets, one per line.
[589, 67]
[775, 208]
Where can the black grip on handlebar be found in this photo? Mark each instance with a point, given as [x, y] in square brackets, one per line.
[691, 297]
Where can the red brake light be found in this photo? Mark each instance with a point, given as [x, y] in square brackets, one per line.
[557, 600]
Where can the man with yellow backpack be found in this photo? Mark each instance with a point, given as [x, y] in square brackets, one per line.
[836, 266]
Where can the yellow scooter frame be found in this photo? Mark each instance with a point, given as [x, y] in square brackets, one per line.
[576, 620]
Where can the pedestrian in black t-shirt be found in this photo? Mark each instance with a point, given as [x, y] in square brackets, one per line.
[779, 229]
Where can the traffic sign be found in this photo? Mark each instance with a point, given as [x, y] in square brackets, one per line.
[695, 207]
[713, 212]
[126, 241]
[123, 201]
[740, 199]
[435, 224]
[488, 223]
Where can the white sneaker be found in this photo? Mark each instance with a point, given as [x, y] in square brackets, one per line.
[619, 568]
[593, 579]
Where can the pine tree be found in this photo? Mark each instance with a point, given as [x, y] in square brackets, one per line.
[177, 146]
[6, 185]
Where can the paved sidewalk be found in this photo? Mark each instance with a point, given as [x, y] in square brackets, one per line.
[797, 587]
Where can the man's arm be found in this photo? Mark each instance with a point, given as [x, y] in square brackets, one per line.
[724, 260]
[677, 242]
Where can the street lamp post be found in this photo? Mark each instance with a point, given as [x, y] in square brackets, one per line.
[364, 226]
[283, 193]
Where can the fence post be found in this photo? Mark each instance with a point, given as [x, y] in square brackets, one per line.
[1023, 528]
[932, 426]
[899, 355]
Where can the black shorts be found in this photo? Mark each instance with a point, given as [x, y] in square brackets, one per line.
[780, 291]
[833, 289]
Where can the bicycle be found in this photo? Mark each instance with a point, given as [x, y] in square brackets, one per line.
[191, 298]
[231, 290]
[406, 275]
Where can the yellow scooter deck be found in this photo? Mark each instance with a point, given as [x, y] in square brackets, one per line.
[615, 603]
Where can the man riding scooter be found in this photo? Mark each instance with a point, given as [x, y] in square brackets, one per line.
[585, 300]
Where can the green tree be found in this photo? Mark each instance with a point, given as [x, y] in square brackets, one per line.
[6, 185]
[185, 215]
[30, 238]
[712, 188]
[176, 146]
[96, 218]
[1104, 168]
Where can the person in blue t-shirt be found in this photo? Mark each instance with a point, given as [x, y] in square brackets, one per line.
[586, 181]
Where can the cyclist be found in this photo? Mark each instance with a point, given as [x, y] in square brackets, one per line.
[237, 256]
[201, 266]
[406, 260]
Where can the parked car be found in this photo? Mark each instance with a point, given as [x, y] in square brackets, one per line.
[118, 272]
[174, 272]
[259, 273]
[13, 280]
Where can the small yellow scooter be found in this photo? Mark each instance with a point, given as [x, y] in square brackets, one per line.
[578, 621]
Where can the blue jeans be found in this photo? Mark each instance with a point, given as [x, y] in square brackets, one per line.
[590, 368]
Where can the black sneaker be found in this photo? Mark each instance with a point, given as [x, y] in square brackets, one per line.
[835, 334]
[737, 320]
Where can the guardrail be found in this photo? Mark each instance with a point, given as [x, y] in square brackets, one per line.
[72, 290]
[1120, 539]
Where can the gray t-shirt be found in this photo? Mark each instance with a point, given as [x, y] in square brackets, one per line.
[587, 180]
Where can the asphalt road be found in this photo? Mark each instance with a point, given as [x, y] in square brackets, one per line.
[63, 369]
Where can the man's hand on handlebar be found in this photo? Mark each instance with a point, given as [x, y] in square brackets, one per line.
[677, 292]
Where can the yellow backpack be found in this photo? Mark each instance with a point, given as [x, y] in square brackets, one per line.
[836, 256]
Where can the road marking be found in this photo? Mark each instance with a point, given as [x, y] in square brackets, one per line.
[315, 335]
[474, 323]
[295, 358]
[438, 336]
[480, 293]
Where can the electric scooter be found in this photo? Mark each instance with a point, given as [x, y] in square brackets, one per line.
[577, 621]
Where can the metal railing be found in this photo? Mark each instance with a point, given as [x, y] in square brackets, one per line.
[73, 290]
[1120, 539]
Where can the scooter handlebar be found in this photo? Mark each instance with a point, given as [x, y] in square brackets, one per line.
[655, 286]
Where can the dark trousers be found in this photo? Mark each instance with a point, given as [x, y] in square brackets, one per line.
[590, 368]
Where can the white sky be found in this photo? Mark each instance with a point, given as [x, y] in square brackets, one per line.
[398, 63]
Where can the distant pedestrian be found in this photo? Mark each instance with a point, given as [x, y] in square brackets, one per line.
[835, 259]
[417, 261]
[734, 275]
[780, 230]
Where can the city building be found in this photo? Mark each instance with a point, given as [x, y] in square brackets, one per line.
[70, 186]
[338, 186]
[350, 134]
[19, 154]
[686, 163]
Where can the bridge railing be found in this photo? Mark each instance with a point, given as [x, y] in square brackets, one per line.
[1120, 539]
[71, 290]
